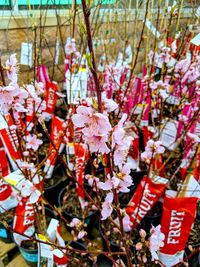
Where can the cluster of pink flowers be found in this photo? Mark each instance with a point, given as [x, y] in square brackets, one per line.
[151, 150]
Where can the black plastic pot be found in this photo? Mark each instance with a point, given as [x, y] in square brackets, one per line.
[150, 220]
[31, 255]
[193, 261]
[51, 193]
[124, 198]
[89, 220]
[137, 176]
[80, 246]
[103, 261]
[5, 234]
[113, 246]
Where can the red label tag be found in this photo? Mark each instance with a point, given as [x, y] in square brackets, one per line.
[51, 97]
[57, 129]
[177, 219]
[145, 197]
[5, 190]
[24, 216]
[80, 154]
[10, 139]
[4, 166]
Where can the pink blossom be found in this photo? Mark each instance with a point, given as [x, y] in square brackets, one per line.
[12, 68]
[40, 88]
[81, 234]
[32, 142]
[97, 143]
[119, 156]
[155, 147]
[138, 246]
[182, 66]
[107, 206]
[120, 181]
[28, 190]
[121, 142]
[156, 241]
[127, 224]
[95, 128]
[118, 131]
[94, 122]
[194, 137]
[142, 233]
[7, 95]
[146, 156]
[111, 183]
[92, 180]
[108, 104]
[70, 47]
[75, 222]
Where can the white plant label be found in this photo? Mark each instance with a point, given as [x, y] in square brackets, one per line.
[196, 40]
[26, 54]
[151, 27]
[57, 51]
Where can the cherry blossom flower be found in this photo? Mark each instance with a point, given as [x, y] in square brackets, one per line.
[142, 233]
[138, 246]
[146, 156]
[7, 94]
[32, 142]
[108, 104]
[107, 208]
[92, 179]
[127, 224]
[97, 143]
[95, 128]
[182, 66]
[111, 183]
[81, 234]
[70, 47]
[155, 147]
[121, 142]
[151, 150]
[28, 190]
[156, 241]
[12, 68]
[97, 123]
[39, 88]
[75, 223]
[120, 181]
[194, 137]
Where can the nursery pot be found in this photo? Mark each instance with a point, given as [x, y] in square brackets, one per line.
[151, 219]
[113, 246]
[103, 261]
[80, 246]
[124, 198]
[51, 192]
[137, 176]
[193, 261]
[89, 220]
[31, 255]
[5, 234]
